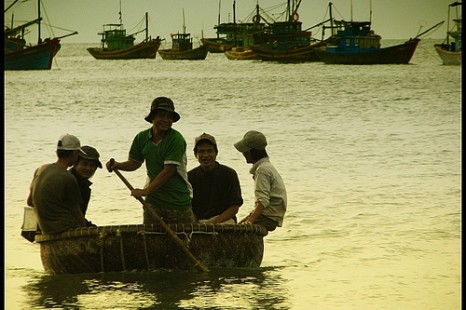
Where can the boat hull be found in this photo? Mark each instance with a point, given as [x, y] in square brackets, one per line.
[215, 45]
[146, 247]
[398, 54]
[240, 54]
[199, 53]
[139, 51]
[448, 57]
[300, 54]
[37, 57]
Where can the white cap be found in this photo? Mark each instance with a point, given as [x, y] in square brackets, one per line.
[69, 142]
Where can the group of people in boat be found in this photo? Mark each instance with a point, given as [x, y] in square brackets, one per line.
[209, 193]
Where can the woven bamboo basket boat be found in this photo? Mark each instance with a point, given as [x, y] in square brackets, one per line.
[146, 247]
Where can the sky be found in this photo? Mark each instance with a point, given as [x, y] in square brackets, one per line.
[391, 19]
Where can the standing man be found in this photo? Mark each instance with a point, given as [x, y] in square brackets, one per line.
[164, 151]
[55, 194]
[216, 189]
[269, 189]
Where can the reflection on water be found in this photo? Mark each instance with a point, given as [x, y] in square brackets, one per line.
[261, 288]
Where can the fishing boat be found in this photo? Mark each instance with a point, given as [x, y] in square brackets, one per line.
[232, 35]
[245, 35]
[18, 55]
[224, 39]
[234, 38]
[286, 41]
[451, 51]
[116, 44]
[355, 43]
[147, 247]
[182, 47]
[298, 54]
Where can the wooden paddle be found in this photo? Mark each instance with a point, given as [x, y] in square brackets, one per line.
[172, 234]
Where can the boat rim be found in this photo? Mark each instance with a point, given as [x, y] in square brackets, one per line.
[153, 228]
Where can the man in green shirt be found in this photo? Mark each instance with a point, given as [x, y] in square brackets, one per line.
[163, 149]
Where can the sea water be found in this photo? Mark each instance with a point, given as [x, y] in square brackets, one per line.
[370, 156]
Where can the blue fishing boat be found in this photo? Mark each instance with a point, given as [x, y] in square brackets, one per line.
[37, 57]
[20, 56]
[355, 43]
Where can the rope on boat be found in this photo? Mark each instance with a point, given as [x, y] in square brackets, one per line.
[178, 233]
[150, 232]
[101, 241]
[122, 252]
[146, 254]
[188, 237]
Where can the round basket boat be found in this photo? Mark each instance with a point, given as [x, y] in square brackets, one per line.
[145, 247]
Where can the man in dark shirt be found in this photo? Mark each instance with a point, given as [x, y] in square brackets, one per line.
[83, 170]
[216, 188]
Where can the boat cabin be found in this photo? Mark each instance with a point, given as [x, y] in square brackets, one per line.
[229, 32]
[181, 41]
[115, 38]
[287, 35]
[456, 45]
[354, 35]
[240, 34]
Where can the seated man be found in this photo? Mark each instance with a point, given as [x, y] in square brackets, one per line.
[55, 194]
[216, 188]
[83, 170]
[269, 188]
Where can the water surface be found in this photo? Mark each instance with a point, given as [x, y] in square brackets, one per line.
[370, 156]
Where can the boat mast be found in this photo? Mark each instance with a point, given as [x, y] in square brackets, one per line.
[448, 25]
[147, 30]
[184, 25]
[351, 10]
[370, 11]
[257, 10]
[119, 13]
[234, 22]
[234, 11]
[331, 19]
[218, 22]
[288, 10]
[39, 40]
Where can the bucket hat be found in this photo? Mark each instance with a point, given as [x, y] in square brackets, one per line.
[91, 154]
[162, 103]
